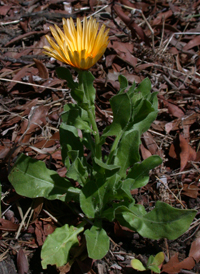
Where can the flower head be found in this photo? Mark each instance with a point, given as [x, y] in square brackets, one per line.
[81, 46]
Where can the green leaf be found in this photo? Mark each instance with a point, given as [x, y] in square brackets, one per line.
[79, 96]
[153, 99]
[56, 248]
[69, 140]
[137, 264]
[135, 97]
[97, 242]
[90, 197]
[86, 82]
[75, 116]
[123, 83]
[144, 87]
[128, 151]
[163, 221]
[65, 74]
[77, 170]
[88, 142]
[142, 110]
[120, 193]
[154, 262]
[131, 90]
[32, 179]
[159, 258]
[143, 114]
[134, 209]
[140, 171]
[150, 260]
[103, 168]
[109, 213]
[98, 194]
[144, 106]
[121, 107]
[115, 189]
[127, 186]
[146, 123]
[154, 268]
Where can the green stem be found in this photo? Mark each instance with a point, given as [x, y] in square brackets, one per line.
[96, 134]
[113, 149]
[91, 114]
[90, 142]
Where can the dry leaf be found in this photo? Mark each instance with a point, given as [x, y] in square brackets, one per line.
[195, 250]
[43, 71]
[22, 263]
[190, 191]
[187, 152]
[192, 43]
[175, 110]
[174, 266]
[6, 225]
[145, 152]
[151, 144]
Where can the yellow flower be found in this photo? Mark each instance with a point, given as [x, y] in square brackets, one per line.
[80, 46]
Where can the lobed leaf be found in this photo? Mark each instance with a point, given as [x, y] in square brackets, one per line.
[140, 171]
[121, 108]
[56, 248]
[163, 221]
[123, 83]
[77, 170]
[86, 81]
[128, 151]
[97, 242]
[144, 87]
[96, 194]
[69, 140]
[65, 74]
[75, 116]
[31, 178]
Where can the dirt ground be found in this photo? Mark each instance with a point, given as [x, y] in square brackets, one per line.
[148, 38]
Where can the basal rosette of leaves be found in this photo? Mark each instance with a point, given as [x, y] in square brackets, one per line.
[105, 183]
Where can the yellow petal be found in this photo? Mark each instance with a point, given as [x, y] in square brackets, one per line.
[81, 46]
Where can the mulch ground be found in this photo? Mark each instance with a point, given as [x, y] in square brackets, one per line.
[148, 38]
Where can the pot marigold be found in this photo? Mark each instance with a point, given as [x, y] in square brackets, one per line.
[81, 46]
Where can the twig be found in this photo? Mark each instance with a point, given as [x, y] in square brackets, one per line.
[34, 85]
[25, 35]
[52, 217]
[149, 26]
[22, 222]
[3, 255]
[104, 7]
[179, 33]
[182, 172]
[163, 28]
[171, 192]
[9, 23]
[13, 60]
[186, 272]
[159, 134]
[197, 229]
[173, 71]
